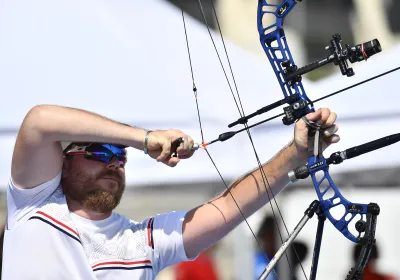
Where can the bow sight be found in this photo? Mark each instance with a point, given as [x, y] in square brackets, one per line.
[291, 76]
[338, 55]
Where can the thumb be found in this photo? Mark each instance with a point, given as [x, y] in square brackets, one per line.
[314, 116]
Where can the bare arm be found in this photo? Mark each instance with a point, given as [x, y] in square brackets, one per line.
[205, 225]
[37, 156]
[210, 222]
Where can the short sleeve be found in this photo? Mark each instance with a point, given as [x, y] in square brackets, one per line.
[21, 202]
[167, 239]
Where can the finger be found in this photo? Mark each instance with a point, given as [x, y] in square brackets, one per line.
[172, 161]
[327, 132]
[186, 145]
[332, 139]
[325, 113]
[185, 150]
[166, 151]
[188, 155]
[330, 120]
[191, 143]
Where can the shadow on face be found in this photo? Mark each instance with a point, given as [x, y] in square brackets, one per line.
[95, 185]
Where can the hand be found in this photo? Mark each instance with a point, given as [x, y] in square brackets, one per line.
[159, 146]
[326, 119]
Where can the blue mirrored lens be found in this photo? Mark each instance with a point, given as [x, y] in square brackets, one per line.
[114, 149]
[105, 152]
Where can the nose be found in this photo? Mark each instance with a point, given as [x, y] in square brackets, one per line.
[114, 163]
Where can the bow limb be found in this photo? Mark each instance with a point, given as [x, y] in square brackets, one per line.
[362, 217]
[273, 41]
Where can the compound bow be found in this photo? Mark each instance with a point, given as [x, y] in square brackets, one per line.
[273, 41]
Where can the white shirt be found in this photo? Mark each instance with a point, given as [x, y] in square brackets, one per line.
[44, 240]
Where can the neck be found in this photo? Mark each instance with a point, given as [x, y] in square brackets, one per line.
[78, 209]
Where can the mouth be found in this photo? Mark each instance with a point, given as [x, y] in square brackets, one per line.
[111, 178]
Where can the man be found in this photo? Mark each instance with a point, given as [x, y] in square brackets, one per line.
[266, 236]
[60, 223]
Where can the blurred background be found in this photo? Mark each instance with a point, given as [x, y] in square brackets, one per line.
[128, 60]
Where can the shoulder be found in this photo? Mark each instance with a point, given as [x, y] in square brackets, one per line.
[23, 203]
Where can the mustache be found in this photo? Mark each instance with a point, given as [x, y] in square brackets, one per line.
[111, 174]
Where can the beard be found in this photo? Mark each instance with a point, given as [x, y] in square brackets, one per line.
[87, 191]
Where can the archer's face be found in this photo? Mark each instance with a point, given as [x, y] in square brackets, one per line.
[97, 186]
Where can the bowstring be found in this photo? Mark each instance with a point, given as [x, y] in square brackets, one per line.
[265, 178]
[192, 73]
[247, 128]
[209, 155]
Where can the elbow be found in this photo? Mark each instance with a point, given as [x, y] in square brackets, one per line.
[36, 120]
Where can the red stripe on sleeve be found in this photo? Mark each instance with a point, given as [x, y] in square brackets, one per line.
[58, 222]
[122, 263]
[149, 232]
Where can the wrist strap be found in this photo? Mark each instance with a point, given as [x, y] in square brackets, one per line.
[146, 140]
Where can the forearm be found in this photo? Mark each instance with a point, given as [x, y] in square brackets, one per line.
[212, 221]
[55, 123]
[252, 191]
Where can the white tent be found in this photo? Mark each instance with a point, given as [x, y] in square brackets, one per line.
[127, 60]
[119, 60]
[122, 61]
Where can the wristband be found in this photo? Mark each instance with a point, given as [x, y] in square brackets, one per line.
[146, 140]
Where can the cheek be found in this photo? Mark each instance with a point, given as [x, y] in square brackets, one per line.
[87, 168]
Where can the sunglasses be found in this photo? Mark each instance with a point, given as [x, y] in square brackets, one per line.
[99, 152]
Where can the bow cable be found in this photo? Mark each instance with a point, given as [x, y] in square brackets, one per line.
[264, 177]
[246, 127]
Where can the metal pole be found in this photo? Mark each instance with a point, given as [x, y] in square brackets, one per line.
[307, 215]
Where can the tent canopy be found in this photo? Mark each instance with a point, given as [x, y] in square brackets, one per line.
[120, 61]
